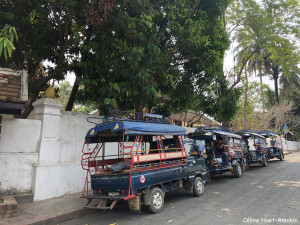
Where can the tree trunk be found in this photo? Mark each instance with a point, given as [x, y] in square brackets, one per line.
[74, 91]
[226, 123]
[139, 105]
[245, 103]
[223, 11]
[275, 77]
[262, 92]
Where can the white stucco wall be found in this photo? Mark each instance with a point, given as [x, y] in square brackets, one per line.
[59, 171]
[19, 135]
[290, 145]
[43, 155]
[18, 152]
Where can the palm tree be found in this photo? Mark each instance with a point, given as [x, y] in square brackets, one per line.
[290, 83]
[273, 68]
[257, 63]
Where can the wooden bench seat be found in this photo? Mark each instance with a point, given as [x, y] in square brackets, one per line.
[158, 156]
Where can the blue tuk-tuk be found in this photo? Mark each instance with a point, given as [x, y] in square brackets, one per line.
[207, 138]
[256, 147]
[127, 158]
[274, 144]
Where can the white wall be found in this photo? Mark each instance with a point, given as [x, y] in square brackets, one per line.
[290, 145]
[59, 170]
[19, 135]
[43, 155]
[18, 152]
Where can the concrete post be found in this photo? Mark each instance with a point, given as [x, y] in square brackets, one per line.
[49, 112]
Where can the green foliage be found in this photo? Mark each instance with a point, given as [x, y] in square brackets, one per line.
[125, 53]
[172, 48]
[270, 98]
[64, 92]
[252, 108]
[161, 110]
[83, 109]
[267, 33]
[295, 98]
[7, 36]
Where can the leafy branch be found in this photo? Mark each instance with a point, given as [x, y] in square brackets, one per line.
[7, 36]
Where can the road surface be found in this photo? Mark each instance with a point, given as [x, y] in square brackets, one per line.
[263, 195]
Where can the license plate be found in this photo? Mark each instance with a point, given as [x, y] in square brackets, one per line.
[218, 160]
[112, 194]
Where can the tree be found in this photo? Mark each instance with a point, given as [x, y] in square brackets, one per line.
[170, 48]
[123, 53]
[250, 115]
[48, 30]
[268, 27]
[282, 114]
[290, 84]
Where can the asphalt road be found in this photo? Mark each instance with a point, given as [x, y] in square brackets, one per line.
[268, 195]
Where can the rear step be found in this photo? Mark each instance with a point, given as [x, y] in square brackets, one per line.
[102, 204]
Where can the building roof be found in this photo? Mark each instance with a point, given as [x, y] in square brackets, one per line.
[193, 117]
[13, 90]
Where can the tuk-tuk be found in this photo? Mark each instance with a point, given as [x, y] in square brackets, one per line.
[256, 147]
[208, 138]
[138, 157]
[274, 142]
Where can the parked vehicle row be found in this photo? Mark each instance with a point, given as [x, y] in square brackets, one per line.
[140, 157]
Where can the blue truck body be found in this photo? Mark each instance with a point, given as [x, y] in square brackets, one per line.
[118, 182]
[154, 164]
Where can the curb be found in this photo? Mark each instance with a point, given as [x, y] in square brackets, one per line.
[290, 151]
[50, 220]
[67, 216]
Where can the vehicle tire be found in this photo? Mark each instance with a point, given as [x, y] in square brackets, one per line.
[247, 165]
[244, 165]
[198, 187]
[264, 162]
[156, 200]
[237, 172]
[281, 156]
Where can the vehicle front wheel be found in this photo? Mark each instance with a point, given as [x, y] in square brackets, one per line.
[198, 187]
[237, 172]
[264, 162]
[281, 157]
[157, 200]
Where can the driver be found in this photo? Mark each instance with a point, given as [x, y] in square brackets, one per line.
[272, 143]
[220, 149]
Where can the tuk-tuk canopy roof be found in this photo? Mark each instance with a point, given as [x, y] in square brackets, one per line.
[137, 128]
[248, 133]
[210, 132]
[267, 133]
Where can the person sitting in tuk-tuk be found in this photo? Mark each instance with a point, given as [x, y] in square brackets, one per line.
[272, 143]
[220, 149]
[117, 167]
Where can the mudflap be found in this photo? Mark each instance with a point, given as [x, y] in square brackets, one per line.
[135, 204]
